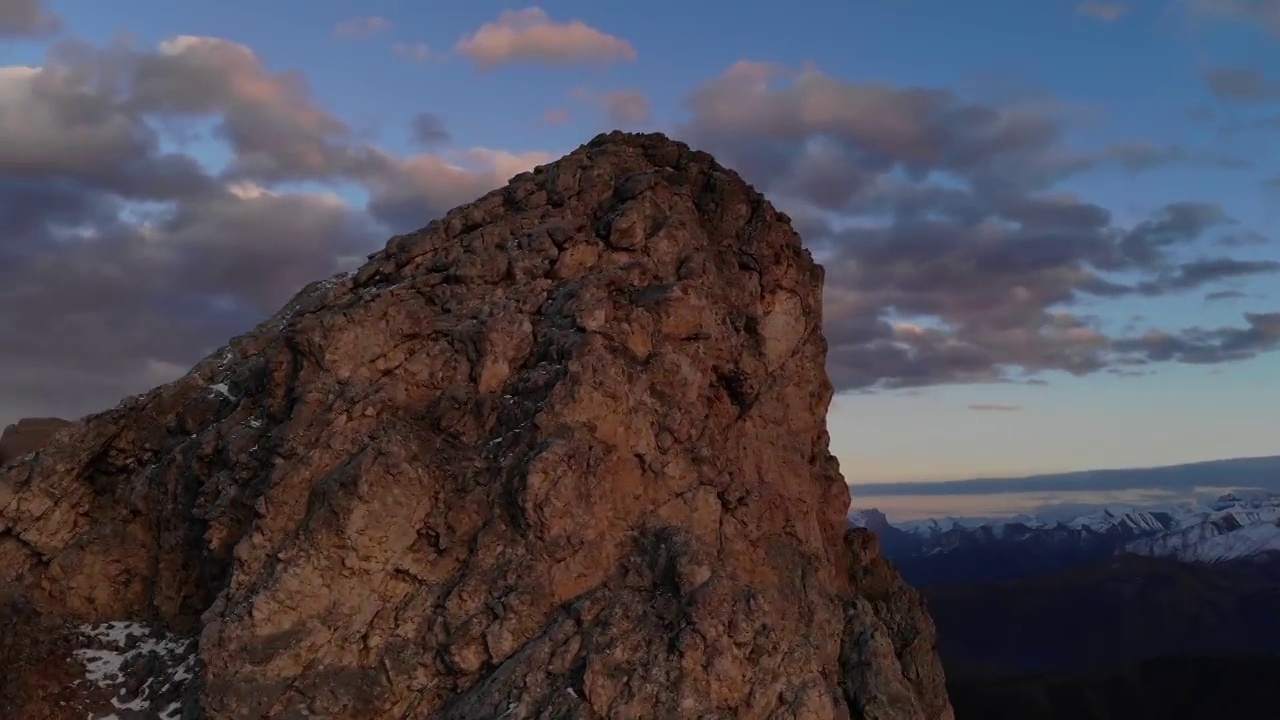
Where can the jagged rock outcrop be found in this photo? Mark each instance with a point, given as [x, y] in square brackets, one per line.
[889, 647]
[27, 436]
[560, 454]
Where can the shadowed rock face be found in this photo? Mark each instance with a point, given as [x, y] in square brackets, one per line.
[561, 454]
[27, 436]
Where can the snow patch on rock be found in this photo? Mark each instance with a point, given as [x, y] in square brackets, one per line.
[144, 669]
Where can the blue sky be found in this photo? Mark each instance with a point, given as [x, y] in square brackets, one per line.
[1110, 75]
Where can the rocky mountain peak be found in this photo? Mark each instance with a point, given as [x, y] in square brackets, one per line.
[27, 435]
[560, 454]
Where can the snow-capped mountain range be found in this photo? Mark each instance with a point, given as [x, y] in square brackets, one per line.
[1232, 527]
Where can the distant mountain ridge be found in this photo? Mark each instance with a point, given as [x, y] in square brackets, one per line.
[1229, 528]
[1165, 611]
[1118, 585]
[1235, 526]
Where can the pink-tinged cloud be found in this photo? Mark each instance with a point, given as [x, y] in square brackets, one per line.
[1261, 12]
[27, 19]
[556, 117]
[995, 407]
[530, 35]
[414, 52]
[361, 28]
[1106, 12]
[626, 107]
[622, 108]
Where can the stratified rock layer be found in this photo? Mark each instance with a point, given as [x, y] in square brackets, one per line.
[560, 454]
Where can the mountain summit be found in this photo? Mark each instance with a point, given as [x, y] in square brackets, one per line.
[560, 454]
[27, 435]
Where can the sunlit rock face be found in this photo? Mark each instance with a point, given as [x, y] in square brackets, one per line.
[560, 454]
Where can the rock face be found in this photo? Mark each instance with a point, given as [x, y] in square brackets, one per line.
[560, 454]
[27, 436]
[889, 650]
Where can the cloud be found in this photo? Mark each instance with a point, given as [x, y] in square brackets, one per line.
[271, 121]
[1188, 276]
[1236, 473]
[427, 130]
[361, 28]
[994, 407]
[556, 117]
[123, 262]
[950, 255]
[1245, 238]
[1142, 156]
[1271, 183]
[1208, 346]
[917, 128]
[1201, 113]
[1225, 295]
[425, 186]
[1264, 13]
[89, 310]
[621, 108]
[1106, 12]
[530, 35]
[1241, 84]
[627, 107]
[414, 52]
[27, 19]
[1064, 506]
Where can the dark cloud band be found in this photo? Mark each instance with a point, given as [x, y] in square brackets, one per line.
[952, 255]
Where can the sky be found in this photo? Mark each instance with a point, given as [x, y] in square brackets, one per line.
[1064, 496]
[1050, 228]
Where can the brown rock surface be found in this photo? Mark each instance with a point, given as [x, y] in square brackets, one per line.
[28, 435]
[560, 454]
